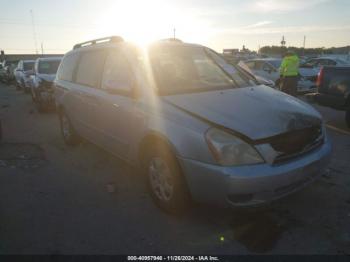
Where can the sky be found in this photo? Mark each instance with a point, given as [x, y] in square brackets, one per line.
[218, 24]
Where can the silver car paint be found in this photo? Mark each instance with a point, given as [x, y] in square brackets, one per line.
[257, 112]
[182, 120]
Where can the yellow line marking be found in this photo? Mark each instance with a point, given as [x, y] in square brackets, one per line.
[338, 130]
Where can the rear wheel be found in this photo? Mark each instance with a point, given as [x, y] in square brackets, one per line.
[166, 183]
[347, 116]
[70, 136]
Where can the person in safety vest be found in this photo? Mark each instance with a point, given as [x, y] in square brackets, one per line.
[289, 73]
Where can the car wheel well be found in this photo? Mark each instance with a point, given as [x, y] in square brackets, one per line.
[150, 140]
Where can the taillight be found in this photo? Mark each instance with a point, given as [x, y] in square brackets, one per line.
[320, 77]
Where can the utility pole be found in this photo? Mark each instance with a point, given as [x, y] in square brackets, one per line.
[304, 45]
[174, 33]
[34, 32]
[283, 42]
[42, 48]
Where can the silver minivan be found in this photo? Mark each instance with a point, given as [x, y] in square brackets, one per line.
[198, 127]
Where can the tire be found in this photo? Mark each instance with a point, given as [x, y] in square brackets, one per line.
[347, 116]
[69, 135]
[165, 180]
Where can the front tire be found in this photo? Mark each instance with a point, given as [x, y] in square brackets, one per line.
[166, 183]
[347, 116]
[69, 135]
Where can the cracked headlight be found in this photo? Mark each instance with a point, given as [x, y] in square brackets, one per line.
[229, 150]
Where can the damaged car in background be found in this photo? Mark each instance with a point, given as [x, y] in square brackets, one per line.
[196, 131]
[269, 68]
[42, 92]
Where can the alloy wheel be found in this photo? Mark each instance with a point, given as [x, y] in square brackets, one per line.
[160, 179]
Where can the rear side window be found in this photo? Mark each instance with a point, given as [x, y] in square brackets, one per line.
[90, 68]
[68, 65]
[117, 73]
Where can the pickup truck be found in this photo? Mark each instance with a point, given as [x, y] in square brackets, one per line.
[333, 85]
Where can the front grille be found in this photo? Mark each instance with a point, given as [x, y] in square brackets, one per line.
[296, 143]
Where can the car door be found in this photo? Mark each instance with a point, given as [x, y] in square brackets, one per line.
[117, 114]
[85, 99]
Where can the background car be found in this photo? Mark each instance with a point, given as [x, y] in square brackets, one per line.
[45, 70]
[7, 74]
[260, 80]
[269, 69]
[22, 74]
[2, 72]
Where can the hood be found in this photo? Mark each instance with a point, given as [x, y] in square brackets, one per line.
[257, 112]
[47, 78]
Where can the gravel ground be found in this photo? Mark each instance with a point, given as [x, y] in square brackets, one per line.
[60, 200]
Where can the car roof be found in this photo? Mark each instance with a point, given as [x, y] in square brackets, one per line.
[168, 42]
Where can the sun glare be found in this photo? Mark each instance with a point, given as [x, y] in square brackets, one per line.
[145, 21]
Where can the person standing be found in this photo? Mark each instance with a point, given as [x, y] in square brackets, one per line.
[289, 73]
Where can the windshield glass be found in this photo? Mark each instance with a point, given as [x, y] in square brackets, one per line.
[28, 66]
[180, 69]
[48, 67]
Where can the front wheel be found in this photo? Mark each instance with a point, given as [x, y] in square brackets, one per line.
[166, 183]
[347, 116]
[69, 135]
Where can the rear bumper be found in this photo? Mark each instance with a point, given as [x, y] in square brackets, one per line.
[256, 184]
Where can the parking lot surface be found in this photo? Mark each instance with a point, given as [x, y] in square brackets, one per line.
[55, 199]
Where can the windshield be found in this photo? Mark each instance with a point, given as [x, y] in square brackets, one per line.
[48, 67]
[28, 66]
[275, 63]
[180, 69]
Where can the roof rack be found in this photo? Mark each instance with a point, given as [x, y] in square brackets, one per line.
[110, 39]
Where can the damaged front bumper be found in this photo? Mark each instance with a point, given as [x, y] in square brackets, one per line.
[255, 184]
